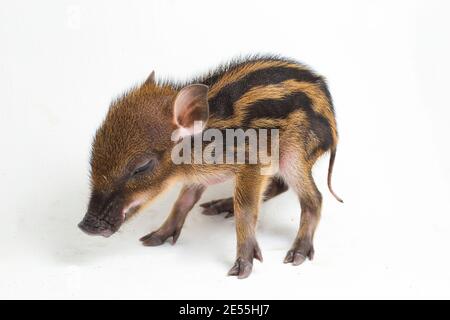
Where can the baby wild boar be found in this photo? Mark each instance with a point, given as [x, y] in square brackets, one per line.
[132, 161]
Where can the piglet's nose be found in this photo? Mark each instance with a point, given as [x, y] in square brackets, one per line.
[90, 226]
[83, 226]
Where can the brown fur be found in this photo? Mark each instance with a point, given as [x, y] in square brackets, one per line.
[131, 155]
[245, 69]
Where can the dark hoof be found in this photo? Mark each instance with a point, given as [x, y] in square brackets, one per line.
[241, 268]
[244, 262]
[298, 254]
[218, 206]
[158, 237]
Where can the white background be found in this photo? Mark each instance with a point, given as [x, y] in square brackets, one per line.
[387, 62]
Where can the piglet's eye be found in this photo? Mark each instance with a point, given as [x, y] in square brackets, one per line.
[147, 166]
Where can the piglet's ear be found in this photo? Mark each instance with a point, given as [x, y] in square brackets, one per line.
[191, 110]
[151, 78]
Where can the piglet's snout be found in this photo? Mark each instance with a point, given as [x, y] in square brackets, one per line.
[91, 225]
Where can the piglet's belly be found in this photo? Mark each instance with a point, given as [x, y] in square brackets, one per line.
[215, 179]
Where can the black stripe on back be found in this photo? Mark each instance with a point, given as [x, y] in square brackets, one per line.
[277, 108]
[221, 106]
[281, 108]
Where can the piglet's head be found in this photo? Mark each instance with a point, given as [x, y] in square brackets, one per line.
[131, 152]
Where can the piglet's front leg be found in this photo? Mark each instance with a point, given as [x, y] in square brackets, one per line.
[247, 197]
[187, 198]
